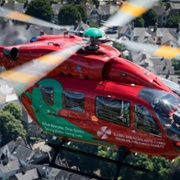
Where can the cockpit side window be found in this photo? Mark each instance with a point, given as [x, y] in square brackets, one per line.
[113, 110]
[48, 95]
[73, 101]
[144, 121]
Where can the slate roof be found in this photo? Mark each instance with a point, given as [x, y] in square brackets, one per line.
[124, 29]
[54, 172]
[11, 166]
[62, 174]
[56, 7]
[140, 32]
[28, 175]
[40, 158]
[159, 9]
[164, 70]
[136, 57]
[149, 40]
[15, 6]
[102, 9]
[23, 153]
[11, 145]
[167, 38]
[81, 26]
[163, 66]
[174, 78]
[175, 5]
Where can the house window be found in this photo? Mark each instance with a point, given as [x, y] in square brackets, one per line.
[144, 120]
[47, 95]
[94, 16]
[113, 110]
[73, 101]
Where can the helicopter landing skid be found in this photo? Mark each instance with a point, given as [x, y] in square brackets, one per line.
[122, 153]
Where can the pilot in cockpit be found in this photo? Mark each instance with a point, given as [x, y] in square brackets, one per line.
[163, 108]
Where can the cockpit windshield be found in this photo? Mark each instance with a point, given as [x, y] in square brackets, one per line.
[167, 108]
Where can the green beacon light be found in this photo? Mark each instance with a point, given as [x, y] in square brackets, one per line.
[93, 33]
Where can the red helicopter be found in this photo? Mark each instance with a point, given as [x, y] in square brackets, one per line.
[83, 90]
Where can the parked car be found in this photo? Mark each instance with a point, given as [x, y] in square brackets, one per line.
[111, 31]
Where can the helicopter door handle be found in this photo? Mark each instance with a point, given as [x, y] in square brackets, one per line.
[133, 131]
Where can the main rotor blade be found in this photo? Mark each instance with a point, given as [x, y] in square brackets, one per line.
[128, 11]
[14, 15]
[23, 77]
[155, 50]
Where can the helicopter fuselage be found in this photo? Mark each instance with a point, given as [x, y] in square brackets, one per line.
[94, 97]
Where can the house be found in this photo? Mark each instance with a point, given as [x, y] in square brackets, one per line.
[31, 174]
[17, 150]
[155, 36]
[163, 13]
[8, 168]
[96, 14]
[19, 162]
[175, 7]
[56, 8]
[81, 26]
[15, 6]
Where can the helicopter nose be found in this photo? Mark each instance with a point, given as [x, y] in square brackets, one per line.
[177, 145]
[176, 117]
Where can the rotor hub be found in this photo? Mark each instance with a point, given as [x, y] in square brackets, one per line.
[93, 34]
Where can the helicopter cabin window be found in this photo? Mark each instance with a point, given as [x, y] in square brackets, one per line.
[47, 95]
[113, 110]
[73, 101]
[144, 120]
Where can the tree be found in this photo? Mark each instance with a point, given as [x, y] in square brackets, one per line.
[80, 160]
[76, 1]
[83, 13]
[176, 64]
[159, 168]
[14, 109]
[10, 128]
[173, 21]
[175, 170]
[40, 9]
[150, 18]
[93, 24]
[139, 22]
[68, 15]
[107, 169]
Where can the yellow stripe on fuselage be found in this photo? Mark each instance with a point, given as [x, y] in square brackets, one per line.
[132, 9]
[18, 16]
[167, 52]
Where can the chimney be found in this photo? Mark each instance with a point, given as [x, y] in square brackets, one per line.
[97, 4]
[132, 25]
[155, 26]
[25, 4]
[5, 160]
[144, 56]
[168, 5]
[178, 28]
